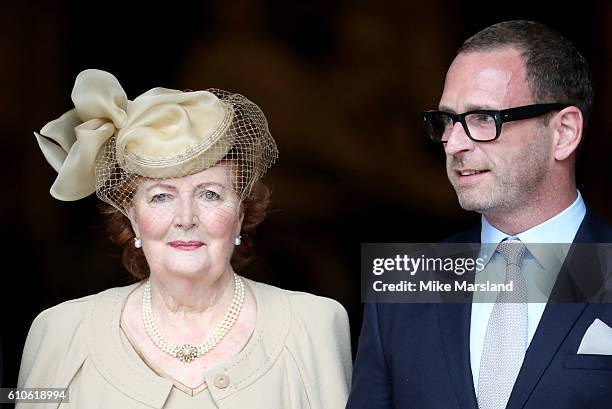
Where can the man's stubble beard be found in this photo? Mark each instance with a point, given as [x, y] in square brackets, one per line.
[511, 188]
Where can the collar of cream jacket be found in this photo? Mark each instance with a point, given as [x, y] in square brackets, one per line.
[103, 338]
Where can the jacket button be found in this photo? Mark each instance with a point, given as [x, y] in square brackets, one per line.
[221, 381]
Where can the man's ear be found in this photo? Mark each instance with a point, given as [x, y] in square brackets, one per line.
[567, 132]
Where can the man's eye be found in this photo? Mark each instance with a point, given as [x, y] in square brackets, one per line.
[482, 118]
[447, 122]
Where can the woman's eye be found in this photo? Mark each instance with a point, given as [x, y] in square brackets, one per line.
[159, 198]
[210, 195]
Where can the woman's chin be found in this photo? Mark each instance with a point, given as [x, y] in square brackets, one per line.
[188, 271]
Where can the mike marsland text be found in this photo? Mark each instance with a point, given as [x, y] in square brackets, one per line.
[437, 286]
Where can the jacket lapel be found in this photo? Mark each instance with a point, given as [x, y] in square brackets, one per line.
[454, 322]
[556, 322]
[455, 332]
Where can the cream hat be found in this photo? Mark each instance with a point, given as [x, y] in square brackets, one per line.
[107, 141]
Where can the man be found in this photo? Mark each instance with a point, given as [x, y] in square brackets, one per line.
[521, 178]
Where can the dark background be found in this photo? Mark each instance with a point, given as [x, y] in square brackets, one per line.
[341, 83]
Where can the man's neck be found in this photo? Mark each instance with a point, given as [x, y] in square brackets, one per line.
[518, 220]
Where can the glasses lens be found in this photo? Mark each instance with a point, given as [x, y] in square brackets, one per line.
[481, 126]
[438, 125]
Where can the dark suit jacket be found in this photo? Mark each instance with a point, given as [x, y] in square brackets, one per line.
[418, 355]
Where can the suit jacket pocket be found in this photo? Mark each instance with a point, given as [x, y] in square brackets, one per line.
[585, 361]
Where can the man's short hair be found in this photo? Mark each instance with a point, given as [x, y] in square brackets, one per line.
[556, 71]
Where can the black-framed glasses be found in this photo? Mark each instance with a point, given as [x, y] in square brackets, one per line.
[481, 125]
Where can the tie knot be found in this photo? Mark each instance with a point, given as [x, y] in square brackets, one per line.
[512, 250]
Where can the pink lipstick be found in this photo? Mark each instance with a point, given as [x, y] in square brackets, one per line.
[186, 245]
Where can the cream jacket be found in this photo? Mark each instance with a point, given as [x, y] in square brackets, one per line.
[298, 357]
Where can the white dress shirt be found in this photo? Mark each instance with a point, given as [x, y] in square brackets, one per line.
[561, 228]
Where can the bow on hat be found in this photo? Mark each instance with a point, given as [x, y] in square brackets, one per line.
[157, 134]
[71, 142]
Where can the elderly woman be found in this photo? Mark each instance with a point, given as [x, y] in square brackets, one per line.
[182, 172]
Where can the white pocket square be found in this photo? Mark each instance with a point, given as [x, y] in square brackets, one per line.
[597, 339]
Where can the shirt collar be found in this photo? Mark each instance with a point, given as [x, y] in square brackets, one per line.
[561, 228]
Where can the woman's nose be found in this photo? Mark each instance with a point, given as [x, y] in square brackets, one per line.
[186, 217]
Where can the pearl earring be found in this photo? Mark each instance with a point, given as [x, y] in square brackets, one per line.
[137, 242]
[238, 240]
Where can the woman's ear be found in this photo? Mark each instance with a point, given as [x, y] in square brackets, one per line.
[241, 219]
[131, 214]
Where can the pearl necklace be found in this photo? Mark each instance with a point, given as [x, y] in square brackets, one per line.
[188, 352]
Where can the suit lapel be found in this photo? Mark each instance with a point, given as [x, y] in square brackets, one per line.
[556, 322]
[454, 320]
[581, 278]
[455, 332]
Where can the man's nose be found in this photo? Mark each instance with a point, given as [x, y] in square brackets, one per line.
[458, 140]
